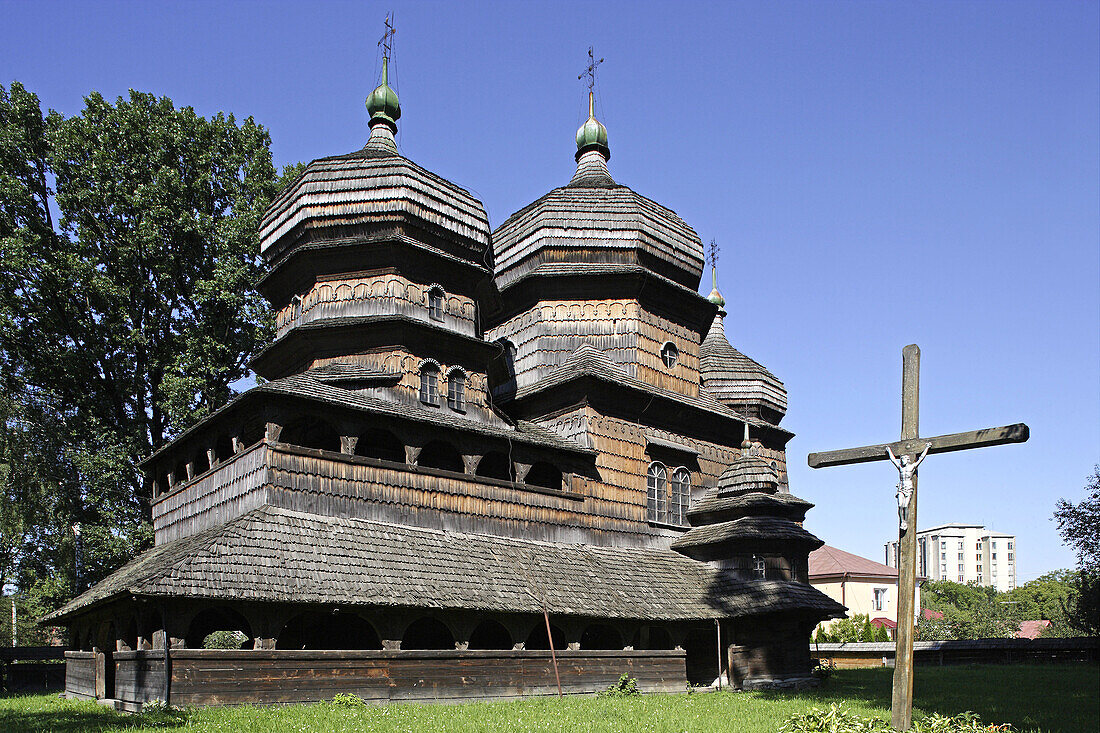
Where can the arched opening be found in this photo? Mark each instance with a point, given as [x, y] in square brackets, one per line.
[201, 462]
[701, 652]
[180, 471]
[537, 638]
[652, 637]
[127, 634]
[380, 444]
[435, 303]
[218, 628]
[656, 492]
[328, 630]
[502, 369]
[601, 636]
[429, 383]
[679, 495]
[545, 475]
[440, 454]
[427, 633]
[311, 432]
[456, 390]
[223, 448]
[490, 634]
[495, 464]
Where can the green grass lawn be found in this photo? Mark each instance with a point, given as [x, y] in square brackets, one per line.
[1032, 697]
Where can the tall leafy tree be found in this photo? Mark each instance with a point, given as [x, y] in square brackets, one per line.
[1079, 525]
[127, 256]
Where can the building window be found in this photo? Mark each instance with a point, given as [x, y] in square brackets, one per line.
[759, 567]
[657, 485]
[1011, 556]
[680, 495]
[960, 545]
[429, 384]
[435, 303]
[296, 307]
[943, 545]
[670, 354]
[977, 558]
[994, 556]
[961, 578]
[880, 599]
[943, 570]
[979, 579]
[456, 390]
[943, 556]
[960, 557]
[961, 569]
[1010, 546]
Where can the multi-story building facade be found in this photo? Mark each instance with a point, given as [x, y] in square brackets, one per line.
[963, 553]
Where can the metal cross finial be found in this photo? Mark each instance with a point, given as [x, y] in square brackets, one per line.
[386, 41]
[712, 255]
[590, 70]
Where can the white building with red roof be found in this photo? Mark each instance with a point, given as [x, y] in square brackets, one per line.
[862, 585]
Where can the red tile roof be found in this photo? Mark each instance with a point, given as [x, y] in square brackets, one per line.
[829, 561]
[1031, 629]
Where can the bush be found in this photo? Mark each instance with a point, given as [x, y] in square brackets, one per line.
[224, 640]
[837, 719]
[626, 685]
[348, 700]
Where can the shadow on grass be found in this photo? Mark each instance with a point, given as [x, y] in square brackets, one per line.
[27, 714]
[1046, 697]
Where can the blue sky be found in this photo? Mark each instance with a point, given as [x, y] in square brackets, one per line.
[876, 174]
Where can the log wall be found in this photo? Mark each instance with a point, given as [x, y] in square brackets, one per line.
[970, 651]
[227, 677]
[80, 675]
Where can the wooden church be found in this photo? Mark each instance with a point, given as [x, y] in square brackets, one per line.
[478, 464]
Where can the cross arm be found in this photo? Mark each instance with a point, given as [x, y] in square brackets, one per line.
[1018, 433]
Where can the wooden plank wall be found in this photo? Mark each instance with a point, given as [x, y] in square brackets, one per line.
[139, 676]
[546, 335]
[225, 677]
[80, 675]
[231, 489]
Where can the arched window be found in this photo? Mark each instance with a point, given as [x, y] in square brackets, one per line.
[601, 636]
[679, 495]
[456, 390]
[328, 630]
[235, 633]
[429, 383]
[537, 638]
[296, 307]
[657, 485]
[490, 634]
[759, 567]
[670, 354]
[435, 303]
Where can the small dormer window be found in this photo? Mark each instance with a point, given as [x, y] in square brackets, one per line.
[456, 390]
[429, 384]
[759, 567]
[670, 354]
[435, 303]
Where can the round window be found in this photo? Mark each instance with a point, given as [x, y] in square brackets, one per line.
[669, 354]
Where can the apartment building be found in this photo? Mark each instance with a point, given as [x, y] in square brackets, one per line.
[963, 553]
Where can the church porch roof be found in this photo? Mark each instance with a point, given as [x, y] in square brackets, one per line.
[277, 555]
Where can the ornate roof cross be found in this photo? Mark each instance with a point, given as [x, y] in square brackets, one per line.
[386, 41]
[906, 455]
[590, 70]
[712, 256]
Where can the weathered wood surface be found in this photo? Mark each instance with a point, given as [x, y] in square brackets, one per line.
[139, 676]
[1016, 433]
[80, 674]
[224, 677]
[901, 707]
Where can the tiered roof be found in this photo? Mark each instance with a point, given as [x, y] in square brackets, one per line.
[735, 379]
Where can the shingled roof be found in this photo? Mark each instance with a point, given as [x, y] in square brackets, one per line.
[734, 378]
[278, 555]
[588, 361]
[375, 184]
[595, 219]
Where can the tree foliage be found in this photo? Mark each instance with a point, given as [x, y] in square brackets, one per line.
[127, 256]
[1079, 525]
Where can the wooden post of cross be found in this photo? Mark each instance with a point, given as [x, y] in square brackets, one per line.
[906, 455]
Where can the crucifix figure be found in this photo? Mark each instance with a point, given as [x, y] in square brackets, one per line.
[906, 455]
[907, 473]
[386, 41]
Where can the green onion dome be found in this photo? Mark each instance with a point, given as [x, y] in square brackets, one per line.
[716, 298]
[382, 103]
[592, 135]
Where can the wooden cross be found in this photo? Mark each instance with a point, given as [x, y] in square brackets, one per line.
[906, 454]
[590, 70]
[386, 41]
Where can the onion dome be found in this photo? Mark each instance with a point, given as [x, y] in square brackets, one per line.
[382, 104]
[338, 196]
[736, 380]
[595, 220]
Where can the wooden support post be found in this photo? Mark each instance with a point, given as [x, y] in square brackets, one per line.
[901, 706]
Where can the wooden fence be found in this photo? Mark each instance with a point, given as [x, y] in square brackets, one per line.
[31, 668]
[971, 651]
[232, 677]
